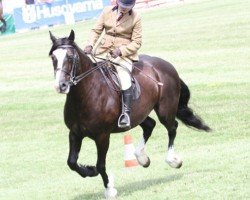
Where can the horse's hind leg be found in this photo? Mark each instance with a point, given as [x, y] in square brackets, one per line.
[75, 142]
[147, 125]
[172, 158]
[167, 118]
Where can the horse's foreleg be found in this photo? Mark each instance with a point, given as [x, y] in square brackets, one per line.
[172, 158]
[102, 144]
[147, 125]
[75, 143]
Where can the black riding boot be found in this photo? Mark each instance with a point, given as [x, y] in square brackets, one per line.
[124, 119]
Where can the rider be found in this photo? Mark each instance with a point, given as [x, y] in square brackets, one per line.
[121, 40]
[3, 28]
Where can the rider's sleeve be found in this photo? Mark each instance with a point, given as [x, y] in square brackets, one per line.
[136, 39]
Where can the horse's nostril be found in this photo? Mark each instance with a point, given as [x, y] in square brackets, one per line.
[63, 86]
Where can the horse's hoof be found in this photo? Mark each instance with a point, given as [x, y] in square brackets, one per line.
[110, 193]
[147, 163]
[174, 161]
[143, 159]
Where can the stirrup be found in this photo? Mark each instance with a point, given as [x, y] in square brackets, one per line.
[127, 125]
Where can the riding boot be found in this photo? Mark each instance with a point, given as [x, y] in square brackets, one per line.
[124, 119]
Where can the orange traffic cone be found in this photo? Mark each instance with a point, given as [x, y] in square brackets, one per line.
[130, 159]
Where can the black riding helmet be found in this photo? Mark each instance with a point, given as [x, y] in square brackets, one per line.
[126, 3]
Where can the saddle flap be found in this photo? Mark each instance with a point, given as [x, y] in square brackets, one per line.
[112, 79]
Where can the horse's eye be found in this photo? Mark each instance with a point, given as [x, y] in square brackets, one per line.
[54, 60]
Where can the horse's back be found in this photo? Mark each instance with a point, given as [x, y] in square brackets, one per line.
[166, 105]
[149, 71]
[164, 70]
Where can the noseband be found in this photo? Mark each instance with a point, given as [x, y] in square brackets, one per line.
[74, 79]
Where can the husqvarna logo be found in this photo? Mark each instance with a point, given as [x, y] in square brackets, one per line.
[32, 13]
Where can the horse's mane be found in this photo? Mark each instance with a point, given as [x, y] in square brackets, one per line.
[64, 41]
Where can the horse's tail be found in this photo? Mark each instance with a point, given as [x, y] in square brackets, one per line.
[186, 114]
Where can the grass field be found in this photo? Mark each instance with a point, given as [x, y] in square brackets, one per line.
[209, 44]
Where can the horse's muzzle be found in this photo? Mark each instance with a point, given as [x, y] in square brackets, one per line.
[62, 87]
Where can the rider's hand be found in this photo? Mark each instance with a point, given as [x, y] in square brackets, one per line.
[88, 49]
[116, 53]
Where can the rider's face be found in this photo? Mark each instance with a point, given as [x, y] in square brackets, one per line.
[124, 10]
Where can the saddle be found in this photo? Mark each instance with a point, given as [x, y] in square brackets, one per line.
[110, 74]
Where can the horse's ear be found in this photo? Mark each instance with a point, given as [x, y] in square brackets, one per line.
[72, 36]
[52, 37]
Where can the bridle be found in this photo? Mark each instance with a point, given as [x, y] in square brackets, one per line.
[75, 79]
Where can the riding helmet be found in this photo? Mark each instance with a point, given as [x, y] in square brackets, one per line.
[126, 3]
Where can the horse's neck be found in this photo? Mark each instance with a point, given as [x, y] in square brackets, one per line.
[91, 94]
[85, 63]
[85, 87]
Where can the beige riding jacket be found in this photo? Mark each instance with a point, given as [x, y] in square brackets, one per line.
[125, 34]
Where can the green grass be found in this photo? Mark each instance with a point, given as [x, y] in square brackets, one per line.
[209, 44]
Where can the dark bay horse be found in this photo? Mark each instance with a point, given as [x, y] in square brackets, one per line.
[92, 108]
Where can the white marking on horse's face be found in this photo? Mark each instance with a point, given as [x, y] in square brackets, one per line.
[60, 55]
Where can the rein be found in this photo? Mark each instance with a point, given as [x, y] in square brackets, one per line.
[76, 79]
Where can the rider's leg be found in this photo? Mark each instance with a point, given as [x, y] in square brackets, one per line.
[124, 69]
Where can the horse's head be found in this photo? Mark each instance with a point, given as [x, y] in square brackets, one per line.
[65, 59]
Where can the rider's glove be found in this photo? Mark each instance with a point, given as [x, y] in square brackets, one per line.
[88, 49]
[116, 53]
